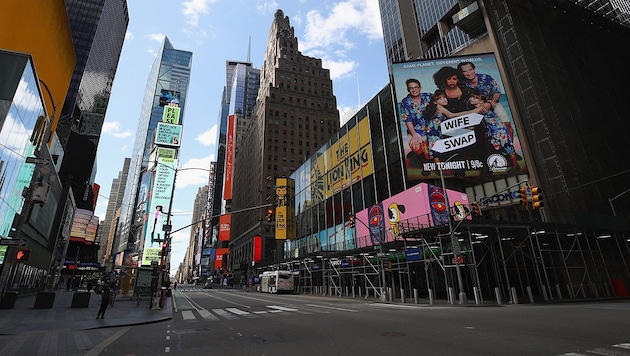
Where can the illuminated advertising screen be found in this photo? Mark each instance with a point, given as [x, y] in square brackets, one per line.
[169, 97]
[171, 115]
[84, 225]
[168, 134]
[229, 158]
[455, 117]
[423, 205]
[225, 223]
[157, 206]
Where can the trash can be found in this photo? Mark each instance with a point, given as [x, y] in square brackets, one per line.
[80, 300]
[8, 301]
[44, 300]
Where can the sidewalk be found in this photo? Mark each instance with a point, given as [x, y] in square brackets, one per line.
[125, 311]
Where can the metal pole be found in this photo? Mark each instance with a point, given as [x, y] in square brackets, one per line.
[454, 241]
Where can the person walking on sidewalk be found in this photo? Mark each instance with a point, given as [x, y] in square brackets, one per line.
[106, 295]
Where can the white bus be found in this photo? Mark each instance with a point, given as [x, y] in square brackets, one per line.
[277, 281]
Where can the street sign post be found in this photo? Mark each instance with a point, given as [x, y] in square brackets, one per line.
[13, 242]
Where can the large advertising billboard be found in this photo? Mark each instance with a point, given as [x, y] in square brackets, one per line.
[346, 162]
[158, 204]
[423, 205]
[285, 209]
[168, 134]
[229, 158]
[455, 117]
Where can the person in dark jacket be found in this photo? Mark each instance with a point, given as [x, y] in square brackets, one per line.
[106, 296]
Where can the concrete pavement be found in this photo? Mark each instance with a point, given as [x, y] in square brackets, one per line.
[62, 330]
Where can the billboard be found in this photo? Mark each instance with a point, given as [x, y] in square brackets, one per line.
[171, 115]
[229, 158]
[344, 163]
[168, 134]
[421, 206]
[225, 225]
[157, 206]
[84, 225]
[455, 117]
[285, 209]
[169, 97]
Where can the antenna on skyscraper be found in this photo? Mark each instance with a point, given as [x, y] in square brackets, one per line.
[249, 50]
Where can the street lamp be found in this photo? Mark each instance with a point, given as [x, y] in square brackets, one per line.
[454, 241]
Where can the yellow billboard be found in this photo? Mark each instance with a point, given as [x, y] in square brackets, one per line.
[346, 162]
[285, 209]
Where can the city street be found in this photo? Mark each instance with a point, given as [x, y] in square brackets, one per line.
[235, 322]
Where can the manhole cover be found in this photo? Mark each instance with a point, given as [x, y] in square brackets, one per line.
[393, 334]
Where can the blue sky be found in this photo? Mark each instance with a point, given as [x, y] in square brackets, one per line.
[347, 35]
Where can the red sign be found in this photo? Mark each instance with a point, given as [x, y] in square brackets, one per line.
[257, 253]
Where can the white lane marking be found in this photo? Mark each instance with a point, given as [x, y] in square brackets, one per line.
[167, 349]
[623, 346]
[100, 347]
[224, 314]
[260, 312]
[281, 308]
[168, 337]
[237, 311]
[334, 308]
[207, 315]
[188, 315]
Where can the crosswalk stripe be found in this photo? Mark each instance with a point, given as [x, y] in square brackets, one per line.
[188, 315]
[623, 346]
[207, 315]
[237, 311]
[224, 314]
[281, 308]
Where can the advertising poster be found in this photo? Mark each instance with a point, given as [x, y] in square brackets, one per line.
[169, 97]
[455, 117]
[171, 115]
[422, 206]
[168, 134]
[157, 207]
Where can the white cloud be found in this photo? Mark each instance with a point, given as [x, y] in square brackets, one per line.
[345, 21]
[157, 37]
[128, 36]
[194, 8]
[346, 113]
[338, 69]
[194, 172]
[209, 137]
[267, 6]
[113, 129]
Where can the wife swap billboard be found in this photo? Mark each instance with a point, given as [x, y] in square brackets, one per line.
[455, 117]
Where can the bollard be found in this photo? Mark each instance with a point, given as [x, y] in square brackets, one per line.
[451, 295]
[431, 297]
[514, 296]
[530, 295]
[558, 292]
[415, 296]
[544, 291]
[570, 291]
[390, 292]
[497, 294]
[476, 293]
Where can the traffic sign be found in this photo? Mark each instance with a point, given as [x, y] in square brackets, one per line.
[13, 242]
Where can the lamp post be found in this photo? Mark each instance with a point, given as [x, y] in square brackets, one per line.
[454, 240]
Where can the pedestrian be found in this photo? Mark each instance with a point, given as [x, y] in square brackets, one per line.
[105, 298]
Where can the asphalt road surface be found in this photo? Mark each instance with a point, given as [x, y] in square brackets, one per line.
[234, 322]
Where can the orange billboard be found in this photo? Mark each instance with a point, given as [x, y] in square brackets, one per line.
[229, 158]
[225, 225]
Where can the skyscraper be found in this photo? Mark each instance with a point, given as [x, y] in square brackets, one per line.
[98, 32]
[167, 84]
[552, 56]
[295, 113]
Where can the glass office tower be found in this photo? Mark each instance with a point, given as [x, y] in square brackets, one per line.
[168, 80]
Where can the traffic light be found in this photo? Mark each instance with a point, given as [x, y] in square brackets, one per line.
[270, 215]
[524, 193]
[351, 221]
[22, 255]
[537, 198]
[476, 209]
